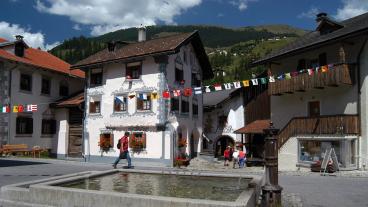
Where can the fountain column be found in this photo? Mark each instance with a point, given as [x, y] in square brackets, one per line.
[271, 191]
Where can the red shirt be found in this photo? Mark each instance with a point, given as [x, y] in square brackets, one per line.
[241, 154]
[227, 153]
[124, 142]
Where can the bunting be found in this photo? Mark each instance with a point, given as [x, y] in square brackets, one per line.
[237, 84]
[246, 83]
[198, 90]
[187, 92]
[218, 87]
[255, 82]
[228, 86]
[31, 108]
[176, 92]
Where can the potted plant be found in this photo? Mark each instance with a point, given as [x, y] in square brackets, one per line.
[182, 160]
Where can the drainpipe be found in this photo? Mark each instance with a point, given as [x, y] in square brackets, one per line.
[359, 93]
[10, 100]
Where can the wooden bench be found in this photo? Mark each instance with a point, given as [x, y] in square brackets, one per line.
[15, 149]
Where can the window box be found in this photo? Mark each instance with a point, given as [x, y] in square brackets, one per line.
[137, 142]
[106, 142]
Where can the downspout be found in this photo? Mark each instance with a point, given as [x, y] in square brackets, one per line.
[359, 99]
[84, 137]
[10, 100]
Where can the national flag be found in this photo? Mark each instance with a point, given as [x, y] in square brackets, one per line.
[217, 87]
[228, 86]
[317, 69]
[20, 108]
[131, 95]
[294, 73]
[301, 71]
[176, 92]
[330, 66]
[287, 76]
[310, 71]
[187, 92]
[154, 95]
[245, 83]
[6, 109]
[143, 96]
[15, 109]
[324, 69]
[166, 94]
[237, 84]
[263, 80]
[281, 77]
[255, 81]
[207, 89]
[198, 90]
[271, 79]
[31, 107]
[117, 101]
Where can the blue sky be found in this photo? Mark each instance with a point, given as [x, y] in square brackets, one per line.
[46, 23]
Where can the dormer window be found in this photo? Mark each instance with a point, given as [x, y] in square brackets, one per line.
[133, 70]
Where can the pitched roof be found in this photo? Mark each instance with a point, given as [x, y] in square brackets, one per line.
[351, 26]
[255, 127]
[71, 101]
[164, 45]
[3, 40]
[43, 59]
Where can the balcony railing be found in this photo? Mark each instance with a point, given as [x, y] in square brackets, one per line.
[337, 75]
[322, 125]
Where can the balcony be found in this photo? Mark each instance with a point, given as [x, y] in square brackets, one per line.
[322, 125]
[337, 75]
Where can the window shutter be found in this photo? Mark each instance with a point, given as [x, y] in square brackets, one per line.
[92, 107]
[112, 140]
[140, 104]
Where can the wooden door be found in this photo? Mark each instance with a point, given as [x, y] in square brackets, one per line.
[314, 108]
[75, 132]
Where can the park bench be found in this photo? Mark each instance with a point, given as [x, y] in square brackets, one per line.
[15, 149]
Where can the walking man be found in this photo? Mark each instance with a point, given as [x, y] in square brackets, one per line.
[124, 153]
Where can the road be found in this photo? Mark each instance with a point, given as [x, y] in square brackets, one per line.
[315, 190]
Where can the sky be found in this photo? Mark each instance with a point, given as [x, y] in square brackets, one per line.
[46, 23]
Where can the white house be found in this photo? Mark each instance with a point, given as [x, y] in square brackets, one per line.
[32, 76]
[126, 85]
[319, 101]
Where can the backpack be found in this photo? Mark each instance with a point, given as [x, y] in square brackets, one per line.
[118, 145]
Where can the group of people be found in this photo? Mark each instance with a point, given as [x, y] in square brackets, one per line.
[237, 156]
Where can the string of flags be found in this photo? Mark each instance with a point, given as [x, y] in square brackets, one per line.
[19, 108]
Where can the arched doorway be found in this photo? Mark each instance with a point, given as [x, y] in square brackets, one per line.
[221, 143]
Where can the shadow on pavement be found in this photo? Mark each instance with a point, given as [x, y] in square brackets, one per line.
[13, 163]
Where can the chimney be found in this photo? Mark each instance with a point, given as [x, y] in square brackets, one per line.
[19, 46]
[321, 16]
[18, 37]
[141, 33]
[111, 46]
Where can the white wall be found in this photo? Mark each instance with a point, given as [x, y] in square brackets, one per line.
[363, 147]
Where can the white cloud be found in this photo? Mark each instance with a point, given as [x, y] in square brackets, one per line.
[351, 8]
[50, 46]
[220, 15]
[77, 27]
[311, 13]
[35, 40]
[241, 4]
[108, 15]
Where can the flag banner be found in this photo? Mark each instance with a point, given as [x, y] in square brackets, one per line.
[31, 107]
[117, 101]
[263, 80]
[310, 71]
[237, 84]
[228, 86]
[154, 95]
[207, 89]
[197, 90]
[143, 96]
[330, 66]
[131, 95]
[301, 71]
[294, 73]
[166, 94]
[271, 79]
[20, 108]
[15, 109]
[255, 82]
[245, 83]
[324, 69]
[187, 92]
[6, 109]
[281, 77]
[217, 87]
[287, 76]
[176, 92]
[316, 69]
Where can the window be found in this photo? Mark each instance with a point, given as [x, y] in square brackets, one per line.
[96, 77]
[175, 104]
[195, 109]
[184, 106]
[137, 141]
[322, 58]
[133, 70]
[179, 74]
[25, 82]
[185, 56]
[196, 80]
[45, 86]
[106, 141]
[120, 104]
[48, 126]
[314, 108]
[222, 121]
[144, 102]
[64, 89]
[24, 125]
[94, 107]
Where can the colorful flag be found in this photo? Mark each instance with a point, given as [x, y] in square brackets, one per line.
[245, 83]
[301, 71]
[187, 92]
[176, 92]
[324, 69]
[294, 73]
[15, 109]
[271, 79]
[20, 108]
[255, 82]
[287, 76]
[117, 101]
[31, 108]
[263, 80]
[281, 77]
[330, 66]
[143, 96]
[237, 84]
[207, 89]
[6, 109]
[218, 87]
[154, 95]
[228, 86]
[131, 95]
[310, 71]
[317, 69]
[166, 94]
[198, 90]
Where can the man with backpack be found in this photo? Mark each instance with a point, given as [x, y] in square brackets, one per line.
[122, 145]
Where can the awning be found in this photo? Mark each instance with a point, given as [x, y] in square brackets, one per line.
[71, 101]
[255, 127]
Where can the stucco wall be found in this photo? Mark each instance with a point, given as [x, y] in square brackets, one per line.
[363, 147]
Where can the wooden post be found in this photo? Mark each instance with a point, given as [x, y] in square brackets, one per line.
[271, 191]
[342, 55]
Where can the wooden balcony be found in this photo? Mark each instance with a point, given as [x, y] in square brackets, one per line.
[337, 75]
[322, 125]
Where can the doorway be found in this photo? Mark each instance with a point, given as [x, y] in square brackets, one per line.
[314, 109]
[221, 144]
[75, 132]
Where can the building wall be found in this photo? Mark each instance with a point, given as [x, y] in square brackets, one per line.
[159, 77]
[363, 146]
[42, 101]
[62, 117]
[4, 100]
